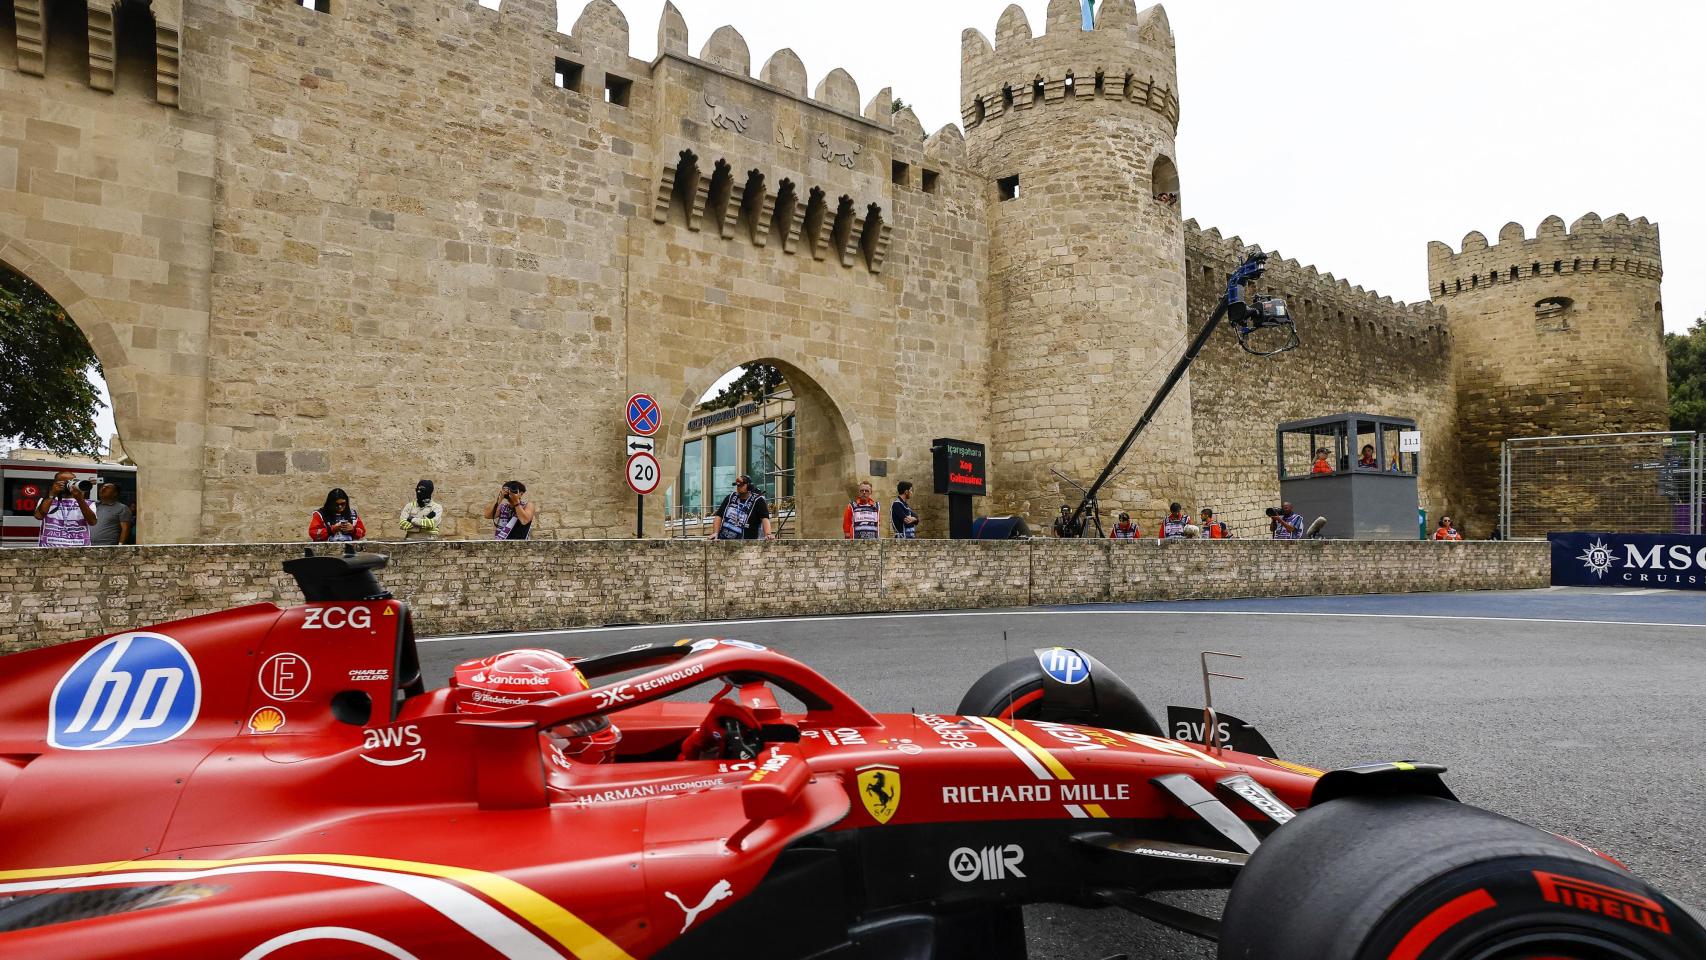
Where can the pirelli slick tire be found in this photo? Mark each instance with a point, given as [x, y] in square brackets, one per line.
[1018, 689]
[1422, 878]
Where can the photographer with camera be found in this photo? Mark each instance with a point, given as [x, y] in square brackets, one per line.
[65, 513]
[1285, 523]
[511, 516]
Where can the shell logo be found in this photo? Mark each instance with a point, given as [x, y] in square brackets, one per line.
[266, 720]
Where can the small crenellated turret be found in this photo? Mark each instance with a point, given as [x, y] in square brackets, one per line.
[1073, 130]
[1127, 57]
[1559, 333]
[1617, 245]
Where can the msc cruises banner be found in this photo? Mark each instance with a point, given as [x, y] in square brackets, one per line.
[1673, 560]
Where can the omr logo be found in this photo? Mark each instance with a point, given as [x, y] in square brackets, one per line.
[132, 690]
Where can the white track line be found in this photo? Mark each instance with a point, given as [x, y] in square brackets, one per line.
[945, 614]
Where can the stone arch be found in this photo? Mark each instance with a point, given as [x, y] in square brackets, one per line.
[1164, 179]
[168, 455]
[83, 311]
[827, 462]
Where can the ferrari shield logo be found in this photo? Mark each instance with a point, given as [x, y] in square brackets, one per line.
[879, 788]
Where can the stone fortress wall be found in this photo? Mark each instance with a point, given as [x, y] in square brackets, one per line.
[1558, 334]
[362, 244]
[1359, 352]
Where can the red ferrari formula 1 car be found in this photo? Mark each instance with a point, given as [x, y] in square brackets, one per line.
[267, 783]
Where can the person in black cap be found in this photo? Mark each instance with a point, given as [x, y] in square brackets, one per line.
[744, 514]
[419, 519]
[1063, 525]
[511, 516]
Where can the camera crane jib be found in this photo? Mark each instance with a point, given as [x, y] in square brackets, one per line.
[1249, 314]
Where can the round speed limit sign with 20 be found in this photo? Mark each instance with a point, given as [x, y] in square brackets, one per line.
[643, 473]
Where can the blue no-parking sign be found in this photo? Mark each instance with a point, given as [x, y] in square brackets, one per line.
[644, 414]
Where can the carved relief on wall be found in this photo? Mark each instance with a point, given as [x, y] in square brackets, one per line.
[827, 152]
[727, 117]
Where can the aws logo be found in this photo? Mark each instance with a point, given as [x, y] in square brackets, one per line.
[132, 690]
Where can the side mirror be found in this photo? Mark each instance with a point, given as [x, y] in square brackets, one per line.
[774, 787]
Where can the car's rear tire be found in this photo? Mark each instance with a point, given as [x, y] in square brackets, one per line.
[1421, 878]
[1017, 690]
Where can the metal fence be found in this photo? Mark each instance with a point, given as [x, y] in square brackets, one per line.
[1628, 482]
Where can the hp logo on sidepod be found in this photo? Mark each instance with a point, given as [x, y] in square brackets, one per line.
[131, 690]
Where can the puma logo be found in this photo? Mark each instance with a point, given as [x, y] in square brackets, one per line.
[722, 891]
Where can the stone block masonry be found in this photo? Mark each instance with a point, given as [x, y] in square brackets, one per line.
[354, 244]
[484, 586]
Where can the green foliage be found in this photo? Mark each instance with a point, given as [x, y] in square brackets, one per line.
[756, 380]
[46, 399]
[1686, 354]
[898, 105]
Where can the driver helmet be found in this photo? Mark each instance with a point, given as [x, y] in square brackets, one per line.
[518, 677]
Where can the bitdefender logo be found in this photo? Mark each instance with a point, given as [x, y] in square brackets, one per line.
[1598, 558]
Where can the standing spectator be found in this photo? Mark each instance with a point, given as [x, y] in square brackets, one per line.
[862, 520]
[1173, 525]
[419, 519]
[1125, 529]
[1286, 523]
[901, 514]
[1446, 531]
[1321, 465]
[511, 516]
[1212, 528]
[336, 520]
[1367, 459]
[113, 519]
[65, 513]
[744, 514]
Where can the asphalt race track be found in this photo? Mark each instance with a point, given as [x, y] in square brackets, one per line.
[1577, 710]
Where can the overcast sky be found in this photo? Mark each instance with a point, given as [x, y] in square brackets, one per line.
[1348, 134]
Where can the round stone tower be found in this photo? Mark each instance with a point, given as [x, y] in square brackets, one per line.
[1073, 131]
[1562, 334]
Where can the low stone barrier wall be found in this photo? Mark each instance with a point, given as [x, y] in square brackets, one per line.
[49, 596]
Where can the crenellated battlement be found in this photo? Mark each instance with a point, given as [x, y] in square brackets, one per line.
[1590, 245]
[726, 51]
[1315, 294]
[1128, 57]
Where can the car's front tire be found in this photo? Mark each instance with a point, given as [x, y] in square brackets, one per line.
[1019, 690]
[1422, 878]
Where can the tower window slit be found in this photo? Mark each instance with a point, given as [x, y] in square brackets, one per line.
[568, 75]
[1008, 187]
[617, 89]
